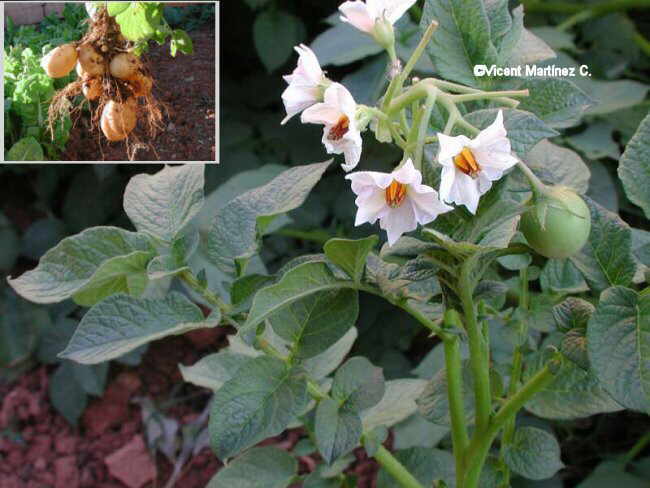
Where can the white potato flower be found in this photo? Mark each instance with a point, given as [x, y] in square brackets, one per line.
[364, 15]
[469, 166]
[399, 200]
[306, 84]
[341, 134]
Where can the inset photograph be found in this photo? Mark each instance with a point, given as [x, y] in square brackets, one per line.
[110, 81]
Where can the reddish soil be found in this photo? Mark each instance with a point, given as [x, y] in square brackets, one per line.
[39, 449]
[186, 86]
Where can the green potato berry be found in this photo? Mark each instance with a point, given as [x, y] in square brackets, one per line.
[558, 224]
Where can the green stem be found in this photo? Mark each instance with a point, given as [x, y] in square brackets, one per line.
[396, 469]
[600, 8]
[424, 320]
[515, 376]
[574, 19]
[383, 456]
[210, 297]
[503, 95]
[453, 366]
[642, 42]
[534, 181]
[479, 354]
[637, 448]
[417, 53]
[424, 126]
[480, 445]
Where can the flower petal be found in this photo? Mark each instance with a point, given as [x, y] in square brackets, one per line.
[397, 221]
[396, 8]
[464, 191]
[450, 147]
[308, 65]
[447, 178]
[362, 179]
[296, 99]
[352, 153]
[371, 207]
[357, 14]
[407, 174]
[427, 206]
[321, 113]
[494, 131]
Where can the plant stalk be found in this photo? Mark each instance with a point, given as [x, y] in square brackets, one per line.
[453, 366]
[396, 469]
[480, 445]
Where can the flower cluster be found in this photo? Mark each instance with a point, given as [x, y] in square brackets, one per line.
[398, 199]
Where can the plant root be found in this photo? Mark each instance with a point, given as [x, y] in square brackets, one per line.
[105, 37]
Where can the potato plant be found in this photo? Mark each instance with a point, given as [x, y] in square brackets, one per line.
[111, 73]
[532, 297]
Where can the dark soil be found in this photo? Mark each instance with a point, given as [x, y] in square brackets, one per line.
[186, 86]
[39, 449]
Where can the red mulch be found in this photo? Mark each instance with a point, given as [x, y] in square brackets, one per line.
[39, 449]
[186, 84]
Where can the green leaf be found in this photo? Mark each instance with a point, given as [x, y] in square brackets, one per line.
[337, 429]
[350, 255]
[634, 167]
[75, 261]
[343, 44]
[320, 366]
[574, 347]
[534, 454]
[397, 403]
[181, 41]
[618, 339]
[462, 39]
[358, 385]
[275, 33]
[164, 203]
[91, 378]
[561, 276]
[214, 370]
[42, 235]
[574, 393]
[298, 283]
[315, 322]
[233, 236]
[558, 102]
[612, 473]
[433, 404]
[54, 338]
[525, 130]
[529, 49]
[572, 313]
[139, 20]
[26, 149]
[20, 322]
[426, 465]
[373, 440]
[609, 96]
[262, 466]
[557, 165]
[243, 289]
[121, 274]
[596, 141]
[415, 431]
[121, 323]
[115, 8]
[257, 403]
[9, 243]
[606, 260]
[66, 394]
